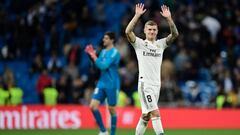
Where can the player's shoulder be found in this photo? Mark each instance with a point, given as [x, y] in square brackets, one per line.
[115, 51]
[161, 42]
[139, 42]
[103, 51]
[140, 39]
[161, 39]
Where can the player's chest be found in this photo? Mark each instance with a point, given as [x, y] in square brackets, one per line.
[150, 50]
[105, 55]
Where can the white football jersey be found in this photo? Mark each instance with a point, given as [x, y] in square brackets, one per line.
[149, 55]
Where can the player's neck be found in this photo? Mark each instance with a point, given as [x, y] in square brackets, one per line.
[109, 47]
[151, 40]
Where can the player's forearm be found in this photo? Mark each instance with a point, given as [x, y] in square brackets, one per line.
[93, 56]
[102, 65]
[132, 24]
[173, 28]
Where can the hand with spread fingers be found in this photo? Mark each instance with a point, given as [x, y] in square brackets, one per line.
[139, 9]
[165, 12]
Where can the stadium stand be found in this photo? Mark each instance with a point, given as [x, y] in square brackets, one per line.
[206, 54]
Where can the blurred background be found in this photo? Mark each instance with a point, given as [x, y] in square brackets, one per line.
[42, 58]
[42, 62]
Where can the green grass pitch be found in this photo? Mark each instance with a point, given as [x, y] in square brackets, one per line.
[122, 132]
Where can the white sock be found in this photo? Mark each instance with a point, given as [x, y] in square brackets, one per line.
[157, 125]
[141, 127]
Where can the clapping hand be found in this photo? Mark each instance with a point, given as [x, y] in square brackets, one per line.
[90, 50]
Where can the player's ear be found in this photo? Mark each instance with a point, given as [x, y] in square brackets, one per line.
[144, 30]
[113, 41]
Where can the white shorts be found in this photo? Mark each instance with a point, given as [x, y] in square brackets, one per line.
[148, 95]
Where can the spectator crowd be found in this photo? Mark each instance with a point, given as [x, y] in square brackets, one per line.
[42, 58]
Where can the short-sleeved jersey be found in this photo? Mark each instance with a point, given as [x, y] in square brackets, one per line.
[108, 62]
[149, 55]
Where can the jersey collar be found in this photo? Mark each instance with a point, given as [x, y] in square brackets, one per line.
[150, 42]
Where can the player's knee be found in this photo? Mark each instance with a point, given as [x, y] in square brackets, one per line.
[155, 113]
[112, 110]
[93, 106]
[146, 117]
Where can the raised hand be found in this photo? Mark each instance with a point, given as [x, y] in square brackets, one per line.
[139, 9]
[165, 11]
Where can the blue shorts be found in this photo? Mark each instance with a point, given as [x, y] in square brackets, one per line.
[110, 92]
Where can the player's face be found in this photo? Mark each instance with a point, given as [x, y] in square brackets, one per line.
[107, 41]
[151, 32]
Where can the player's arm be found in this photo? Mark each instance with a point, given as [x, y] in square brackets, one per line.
[139, 10]
[103, 64]
[173, 29]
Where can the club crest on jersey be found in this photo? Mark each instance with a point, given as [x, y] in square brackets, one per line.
[146, 43]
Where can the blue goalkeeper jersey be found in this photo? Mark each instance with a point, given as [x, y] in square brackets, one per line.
[107, 62]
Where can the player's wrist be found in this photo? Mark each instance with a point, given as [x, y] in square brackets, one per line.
[94, 57]
[169, 18]
[137, 15]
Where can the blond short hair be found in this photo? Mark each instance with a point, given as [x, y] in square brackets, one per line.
[151, 23]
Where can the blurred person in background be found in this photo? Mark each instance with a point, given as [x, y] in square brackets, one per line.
[10, 93]
[63, 86]
[194, 96]
[128, 81]
[54, 64]
[122, 99]
[4, 93]
[168, 82]
[149, 54]
[37, 65]
[8, 77]
[50, 95]
[109, 83]
[43, 81]
[16, 95]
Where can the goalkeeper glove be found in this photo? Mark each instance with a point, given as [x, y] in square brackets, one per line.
[89, 50]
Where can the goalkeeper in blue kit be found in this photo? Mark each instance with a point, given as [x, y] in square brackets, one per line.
[109, 83]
